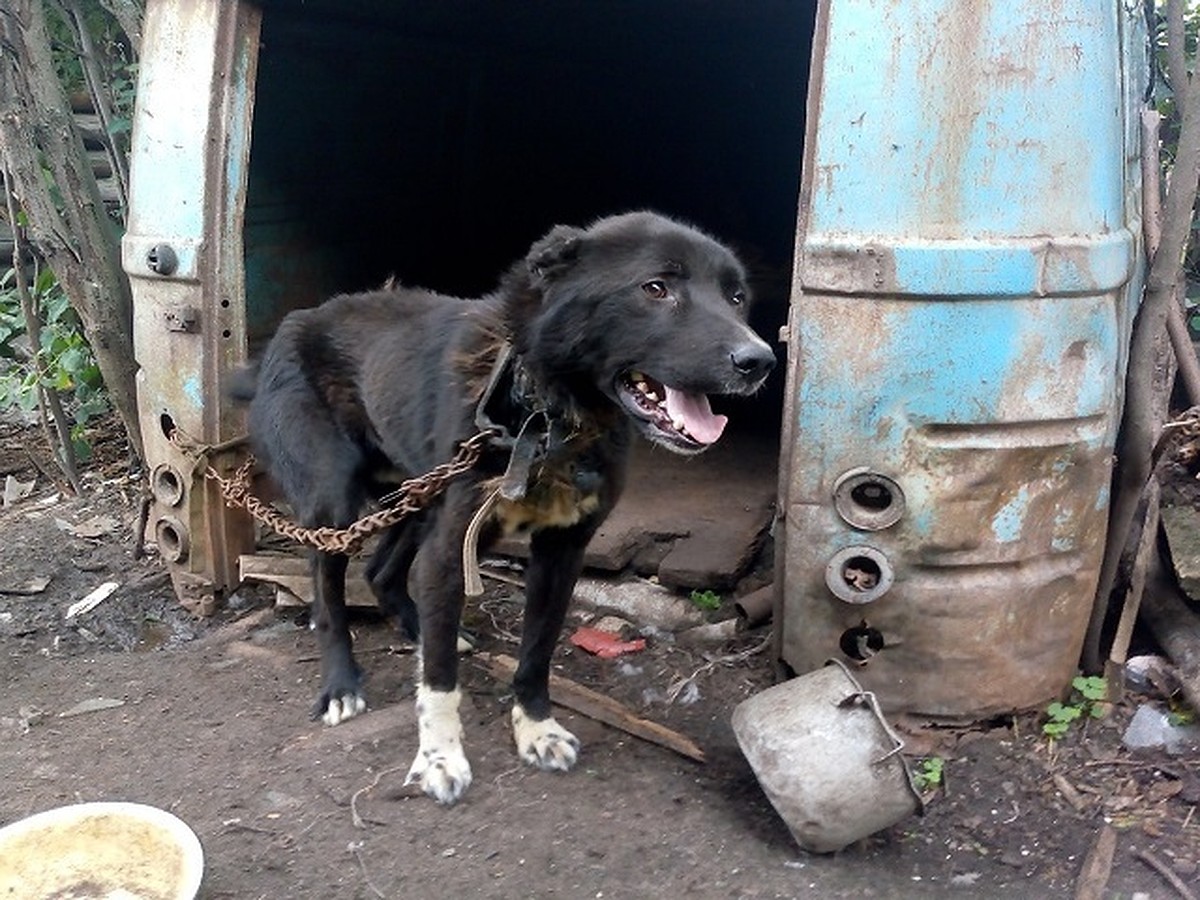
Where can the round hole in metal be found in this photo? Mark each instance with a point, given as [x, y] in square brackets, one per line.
[867, 500]
[172, 539]
[861, 642]
[167, 484]
[859, 574]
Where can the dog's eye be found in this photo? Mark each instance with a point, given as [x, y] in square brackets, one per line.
[738, 298]
[656, 289]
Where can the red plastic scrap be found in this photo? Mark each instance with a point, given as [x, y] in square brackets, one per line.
[605, 644]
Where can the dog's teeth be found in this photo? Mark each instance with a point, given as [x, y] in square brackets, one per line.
[644, 388]
[678, 423]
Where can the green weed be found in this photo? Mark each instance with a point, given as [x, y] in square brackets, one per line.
[929, 773]
[63, 357]
[1087, 695]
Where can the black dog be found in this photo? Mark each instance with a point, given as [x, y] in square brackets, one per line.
[623, 327]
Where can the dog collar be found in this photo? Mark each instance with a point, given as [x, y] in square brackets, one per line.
[544, 425]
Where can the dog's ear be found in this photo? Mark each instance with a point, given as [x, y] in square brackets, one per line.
[554, 253]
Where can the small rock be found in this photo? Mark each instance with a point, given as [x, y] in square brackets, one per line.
[1183, 536]
[712, 633]
[1185, 867]
[689, 694]
[1151, 674]
[615, 624]
[1152, 728]
[16, 490]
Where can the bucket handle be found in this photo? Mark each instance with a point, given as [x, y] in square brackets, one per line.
[868, 699]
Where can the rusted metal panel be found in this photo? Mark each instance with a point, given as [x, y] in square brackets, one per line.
[183, 253]
[961, 308]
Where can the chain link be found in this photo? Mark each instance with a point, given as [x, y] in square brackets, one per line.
[410, 497]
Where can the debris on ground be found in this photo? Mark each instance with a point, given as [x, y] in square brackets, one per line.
[15, 490]
[594, 705]
[28, 588]
[95, 704]
[93, 599]
[1152, 728]
[604, 644]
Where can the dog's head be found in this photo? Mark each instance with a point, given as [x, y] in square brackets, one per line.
[650, 314]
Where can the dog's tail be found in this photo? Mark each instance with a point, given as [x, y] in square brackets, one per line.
[243, 383]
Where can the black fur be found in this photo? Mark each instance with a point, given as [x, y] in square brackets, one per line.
[370, 387]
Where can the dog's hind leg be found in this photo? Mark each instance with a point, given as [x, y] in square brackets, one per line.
[555, 561]
[387, 573]
[341, 678]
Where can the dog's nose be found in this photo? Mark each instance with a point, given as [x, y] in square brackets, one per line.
[754, 360]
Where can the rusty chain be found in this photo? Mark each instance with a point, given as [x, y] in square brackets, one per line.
[412, 496]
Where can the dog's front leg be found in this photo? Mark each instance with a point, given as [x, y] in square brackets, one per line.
[441, 766]
[555, 561]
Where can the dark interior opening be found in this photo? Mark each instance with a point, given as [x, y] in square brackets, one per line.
[435, 141]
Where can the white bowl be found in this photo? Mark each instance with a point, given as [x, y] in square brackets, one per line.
[108, 851]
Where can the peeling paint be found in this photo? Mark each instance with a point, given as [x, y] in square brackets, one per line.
[193, 390]
[965, 273]
[1010, 518]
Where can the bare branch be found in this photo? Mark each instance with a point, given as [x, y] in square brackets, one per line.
[49, 403]
[96, 85]
[1176, 53]
[1164, 284]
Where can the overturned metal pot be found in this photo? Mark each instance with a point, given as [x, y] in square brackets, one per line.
[826, 758]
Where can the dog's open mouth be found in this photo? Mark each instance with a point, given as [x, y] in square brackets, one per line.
[678, 419]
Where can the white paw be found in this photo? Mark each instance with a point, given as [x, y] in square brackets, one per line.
[342, 708]
[441, 766]
[544, 743]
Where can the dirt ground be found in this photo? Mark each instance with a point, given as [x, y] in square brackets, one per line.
[209, 720]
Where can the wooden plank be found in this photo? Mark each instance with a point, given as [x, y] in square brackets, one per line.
[292, 574]
[585, 701]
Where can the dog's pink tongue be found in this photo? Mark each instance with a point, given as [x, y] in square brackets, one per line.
[695, 414]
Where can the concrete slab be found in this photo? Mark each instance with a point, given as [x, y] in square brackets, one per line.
[694, 522]
[1182, 526]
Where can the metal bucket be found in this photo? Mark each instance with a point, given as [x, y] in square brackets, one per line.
[826, 758]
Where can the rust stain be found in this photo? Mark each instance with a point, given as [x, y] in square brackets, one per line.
[858, 269]
[956, 51]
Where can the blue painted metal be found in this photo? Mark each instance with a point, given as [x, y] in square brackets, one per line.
[191, 144]
[968, 261]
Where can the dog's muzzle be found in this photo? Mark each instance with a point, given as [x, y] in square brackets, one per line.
[753, 361]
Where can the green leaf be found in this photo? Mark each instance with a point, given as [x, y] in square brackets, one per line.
[73, 359]
[1055, 729]
[1062, 713]
[44, 282]
[706, 599]
[1091, 687]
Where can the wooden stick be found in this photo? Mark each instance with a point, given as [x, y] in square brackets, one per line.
[1162, 869]
[1181, 341]
[1097, 866]
[596, 706]
[1147, 544]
